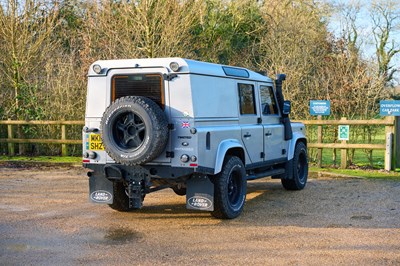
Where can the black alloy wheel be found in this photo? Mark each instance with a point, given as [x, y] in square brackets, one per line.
[299, 169]
[230, 187]
[129, 131]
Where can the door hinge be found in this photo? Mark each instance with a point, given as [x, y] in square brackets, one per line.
[283, 151]
[259, 120]
[262, 155]
[170, 77]
[170, 154]
[171, 126]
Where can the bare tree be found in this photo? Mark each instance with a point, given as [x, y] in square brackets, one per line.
[386, 20]
[295, 43]
[132, 29]
[25, 29]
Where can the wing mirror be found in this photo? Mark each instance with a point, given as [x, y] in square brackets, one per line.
[286, 107]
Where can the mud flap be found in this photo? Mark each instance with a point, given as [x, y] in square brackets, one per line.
[101, 189]
[200, 193]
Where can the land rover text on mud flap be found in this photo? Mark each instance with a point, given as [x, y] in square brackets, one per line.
[201, 129]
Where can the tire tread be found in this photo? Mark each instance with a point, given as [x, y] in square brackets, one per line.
[159, 126]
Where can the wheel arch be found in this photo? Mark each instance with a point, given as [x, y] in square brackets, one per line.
[292, 146]
[228, 147]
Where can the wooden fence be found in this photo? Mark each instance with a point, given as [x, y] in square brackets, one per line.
[63, 140]
[388, 122]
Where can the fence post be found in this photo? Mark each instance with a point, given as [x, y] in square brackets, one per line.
[388, 151]
[319, 140]
[396, 149]
[389, 143]
[64, 149]
[10, 136]
[343, 152]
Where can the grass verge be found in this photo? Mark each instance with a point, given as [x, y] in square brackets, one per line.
[365, 173]
[42, 159]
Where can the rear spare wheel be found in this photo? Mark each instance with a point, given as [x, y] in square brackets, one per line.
[134, 130]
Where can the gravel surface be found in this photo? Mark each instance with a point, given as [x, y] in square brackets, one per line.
[46, 219]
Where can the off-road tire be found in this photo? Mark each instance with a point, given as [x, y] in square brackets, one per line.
[134, 130]
[121, 200]
[299, 169]
[230, 189]
[179, 190]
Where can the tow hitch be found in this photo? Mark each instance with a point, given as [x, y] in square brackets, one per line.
[136, 192]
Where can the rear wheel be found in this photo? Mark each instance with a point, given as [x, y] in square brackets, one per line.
[230, 189]
[179, 189]
[121, 199]
[299, 169]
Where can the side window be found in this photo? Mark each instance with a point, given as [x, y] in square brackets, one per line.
[246, 99]
[268, 103]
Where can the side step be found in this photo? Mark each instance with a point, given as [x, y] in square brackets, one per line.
[271, 172]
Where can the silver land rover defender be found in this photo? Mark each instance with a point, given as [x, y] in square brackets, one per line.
[201, 129]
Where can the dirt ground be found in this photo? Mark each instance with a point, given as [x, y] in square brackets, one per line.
[46, 219]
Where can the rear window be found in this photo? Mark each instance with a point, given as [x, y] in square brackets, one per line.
[147, 85]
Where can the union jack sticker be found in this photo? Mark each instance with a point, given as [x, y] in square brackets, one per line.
[185, 124]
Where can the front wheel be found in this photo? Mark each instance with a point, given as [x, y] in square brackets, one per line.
[299, 169]
[230, 189]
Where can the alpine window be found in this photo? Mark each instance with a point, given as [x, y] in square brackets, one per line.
[247, 99]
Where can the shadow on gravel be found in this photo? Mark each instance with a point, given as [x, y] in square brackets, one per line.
[329, 203]
[169, 211]
[111, 236]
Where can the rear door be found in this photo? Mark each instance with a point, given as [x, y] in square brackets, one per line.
[148, 83]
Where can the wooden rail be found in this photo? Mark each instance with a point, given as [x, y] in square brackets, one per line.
[388, 122]
[63, 141]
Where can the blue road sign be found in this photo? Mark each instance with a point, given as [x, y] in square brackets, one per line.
[390, 108]
[319, 107]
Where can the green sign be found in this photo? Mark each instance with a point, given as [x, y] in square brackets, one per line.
[344, 132]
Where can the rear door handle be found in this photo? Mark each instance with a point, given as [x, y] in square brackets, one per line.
[247, 135]
[268, 134]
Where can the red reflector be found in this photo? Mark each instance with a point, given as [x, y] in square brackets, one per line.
[85, 160]
[193, 164]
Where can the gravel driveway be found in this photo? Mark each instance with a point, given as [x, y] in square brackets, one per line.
[46, 219]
